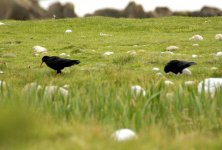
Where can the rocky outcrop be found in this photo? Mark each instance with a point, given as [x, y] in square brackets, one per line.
[134, 11]
[62, 11]
[30, 9]
[162, 12]
[21, 10]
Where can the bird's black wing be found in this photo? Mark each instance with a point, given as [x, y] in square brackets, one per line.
[184, 64]
[60, 63]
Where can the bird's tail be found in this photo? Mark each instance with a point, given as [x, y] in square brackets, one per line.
[75, 62]
[192, 63]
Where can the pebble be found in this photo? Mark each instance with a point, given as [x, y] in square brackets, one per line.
[124, 134]
[196, 38]
[172, 48]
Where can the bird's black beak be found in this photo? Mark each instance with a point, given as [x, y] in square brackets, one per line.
[41, 64]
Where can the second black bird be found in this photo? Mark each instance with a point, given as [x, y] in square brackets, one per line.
[57, 63]
[177, 66]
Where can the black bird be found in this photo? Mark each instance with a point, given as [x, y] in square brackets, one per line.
[177, 66]
[57, 63]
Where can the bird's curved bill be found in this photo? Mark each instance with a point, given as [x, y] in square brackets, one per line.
[41, 64]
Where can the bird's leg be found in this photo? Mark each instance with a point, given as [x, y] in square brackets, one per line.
[59, 71]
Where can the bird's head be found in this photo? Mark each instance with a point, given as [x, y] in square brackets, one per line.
[166, 69]
[44, 59]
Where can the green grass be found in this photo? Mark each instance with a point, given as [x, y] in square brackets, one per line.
[100, 100]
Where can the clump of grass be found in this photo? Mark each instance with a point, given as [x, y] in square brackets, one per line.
[122, 60]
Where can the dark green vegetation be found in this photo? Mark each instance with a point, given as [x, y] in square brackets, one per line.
[100, 98]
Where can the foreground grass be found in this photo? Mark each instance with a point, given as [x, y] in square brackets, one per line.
[100, 99]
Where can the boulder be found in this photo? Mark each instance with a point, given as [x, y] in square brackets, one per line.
[56, 9]
[134, 11]
[21, 9]
[210, 11]
[163, 11]
[62, 11]
[68, 10]
[108, 13]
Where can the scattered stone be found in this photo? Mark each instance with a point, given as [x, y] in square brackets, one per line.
[39, 49]
[104, 34]
[124, 134]
[210, 85]
[187, 71]
[172, 48]
[64, 55]
[52, 90]
[63, 91]
[2, 24]
[196, 38]
[108, 53]
[156, 69]
[218, 37]
[213, 68]
[138, 90]
[2, 83]
[132, 52]
[159, 74]
[167, 52]
[1, 72]
[219, 54]
[32, 87]
[195, 45]
[168, 82]
[66, 86]
[188, 83]
[9, 55]
[170, 95]
[194, 56]
[68, 31]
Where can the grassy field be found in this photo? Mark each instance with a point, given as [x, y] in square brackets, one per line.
[100, 99]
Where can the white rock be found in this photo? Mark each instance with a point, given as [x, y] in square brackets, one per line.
[167, 52]
[219, 54]
[196, 38]
[156, 69]
[210, 85]
[187, 83]
[63, 91]
[104, 34]
[187, 71]
[132, 52]
[168, 82]
[32, 87]
[62, 54]
[66, 86]
[218, 36]
[195, 45]
[169, 95]
[138, 90]
[108, 53]
[39, 49]
[213, 68]
[194, 56]
[68, 31]
[1, 24]
[124, 134]
[172, 48]
[1, 72]
[50, 90]
[159, 74]
[2, 83]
